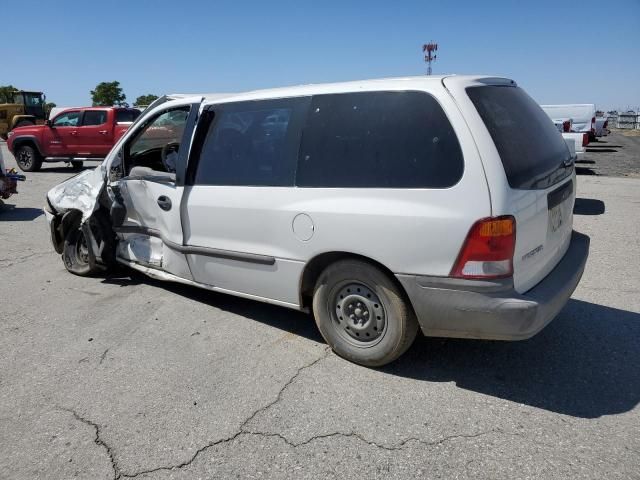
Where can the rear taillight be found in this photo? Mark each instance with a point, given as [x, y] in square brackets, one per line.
[488, 249]
[585, 139]
[593, 124]
[566, 126]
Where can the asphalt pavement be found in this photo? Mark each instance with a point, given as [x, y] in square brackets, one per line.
[127, 377]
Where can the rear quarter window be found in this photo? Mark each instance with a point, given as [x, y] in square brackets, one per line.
[532, 151]
[126, 116]
[378, 140]
[94, 117]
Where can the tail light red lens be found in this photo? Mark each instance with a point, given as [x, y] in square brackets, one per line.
[566, 126]
[585, 139]
[488, 249]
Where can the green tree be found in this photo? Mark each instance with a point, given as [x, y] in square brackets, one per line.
[47, 108]
[6, 93]
[107, 94]
[146, 100]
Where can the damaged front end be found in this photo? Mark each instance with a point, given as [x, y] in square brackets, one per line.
[82, 211]
[77, 212]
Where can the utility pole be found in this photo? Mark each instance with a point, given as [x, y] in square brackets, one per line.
[429, 56]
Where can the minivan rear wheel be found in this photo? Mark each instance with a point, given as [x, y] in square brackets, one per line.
[362, 314]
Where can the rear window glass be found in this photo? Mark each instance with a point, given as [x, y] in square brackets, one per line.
[94, 117]
[126, 116]
[531, 148]
[378, 140]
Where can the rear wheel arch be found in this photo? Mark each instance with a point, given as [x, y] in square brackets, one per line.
[314, 268]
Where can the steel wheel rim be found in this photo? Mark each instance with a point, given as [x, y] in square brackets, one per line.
[359, 316]
[25, 159]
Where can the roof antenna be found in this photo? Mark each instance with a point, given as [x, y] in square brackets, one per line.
[429, 56]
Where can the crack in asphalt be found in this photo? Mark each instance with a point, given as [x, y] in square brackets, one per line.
[363, 439]
[102, 357]
[243, 431]
[97, 440]
[8, 262]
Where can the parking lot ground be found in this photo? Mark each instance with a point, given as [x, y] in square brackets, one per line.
[617, 154]
[126, 377]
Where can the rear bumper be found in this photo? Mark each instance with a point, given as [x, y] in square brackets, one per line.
[448, 307]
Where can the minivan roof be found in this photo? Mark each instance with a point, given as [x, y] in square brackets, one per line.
[396, 83]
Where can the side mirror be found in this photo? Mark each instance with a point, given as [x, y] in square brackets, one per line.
[48, 123]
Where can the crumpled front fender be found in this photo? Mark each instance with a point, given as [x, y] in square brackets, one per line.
[78, 193]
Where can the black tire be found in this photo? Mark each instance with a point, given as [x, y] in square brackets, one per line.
[28, 159]
[75, 254]
[347, 297]
[77, 164]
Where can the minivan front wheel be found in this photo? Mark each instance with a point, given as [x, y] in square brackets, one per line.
[75, 254]
[362, 314]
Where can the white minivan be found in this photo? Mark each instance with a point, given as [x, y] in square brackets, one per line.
[383, 207]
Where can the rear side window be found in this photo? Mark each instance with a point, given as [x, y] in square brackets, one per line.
[532, 151]
[252, 144]
[378, 139]
[126, 116]
[94, 117]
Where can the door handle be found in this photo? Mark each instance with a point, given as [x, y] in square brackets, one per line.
[164, 203]
[73, 133]
[103, 132]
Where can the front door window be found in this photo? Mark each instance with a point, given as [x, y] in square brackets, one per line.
[67, 119]
[157, 144]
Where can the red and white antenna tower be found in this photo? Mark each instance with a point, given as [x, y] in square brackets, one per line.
[429, 56]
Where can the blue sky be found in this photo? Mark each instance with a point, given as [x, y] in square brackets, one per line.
[560, 52]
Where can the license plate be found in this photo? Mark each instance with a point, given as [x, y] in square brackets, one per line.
[556, 202]
[555, 218]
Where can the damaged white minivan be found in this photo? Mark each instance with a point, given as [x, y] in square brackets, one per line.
[382, 207]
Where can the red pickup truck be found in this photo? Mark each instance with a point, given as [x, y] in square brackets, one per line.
[72, 136]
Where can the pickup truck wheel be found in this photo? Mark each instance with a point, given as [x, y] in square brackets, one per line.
[77, 164]
[362, 313]
[28, 159]
[75, 253]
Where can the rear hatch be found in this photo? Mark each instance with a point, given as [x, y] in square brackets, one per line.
[540, 175]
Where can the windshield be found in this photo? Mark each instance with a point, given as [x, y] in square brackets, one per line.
[533, 152]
